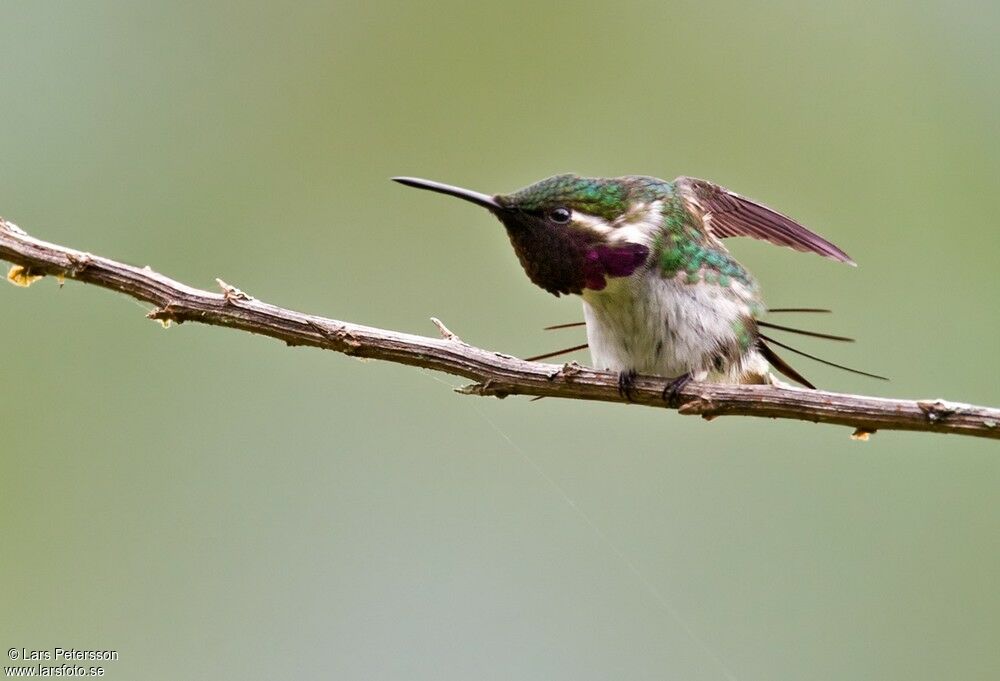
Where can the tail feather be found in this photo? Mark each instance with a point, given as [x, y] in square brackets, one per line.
[820, 359]
[563, 326]
[555, 353]
[799, 309]
[803, 332]
[781, 365]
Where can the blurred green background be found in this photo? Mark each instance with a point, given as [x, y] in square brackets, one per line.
[216, 505]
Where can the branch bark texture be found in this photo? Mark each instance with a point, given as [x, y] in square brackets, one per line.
[495, 374]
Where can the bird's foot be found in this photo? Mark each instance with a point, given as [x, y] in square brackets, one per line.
[626, 384]
[671, 391]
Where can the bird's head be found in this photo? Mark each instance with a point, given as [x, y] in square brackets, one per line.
[572, 233]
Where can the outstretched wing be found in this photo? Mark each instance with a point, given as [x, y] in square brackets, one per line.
[725, 213]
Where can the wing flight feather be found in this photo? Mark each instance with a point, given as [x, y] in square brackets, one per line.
[727, 214]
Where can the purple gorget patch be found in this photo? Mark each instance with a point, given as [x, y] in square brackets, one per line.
[603, 261]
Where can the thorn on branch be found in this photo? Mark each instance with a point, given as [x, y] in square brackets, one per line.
[78, 263]
[566, 370]
[484, 389]
[165, 316]
[445, 332]
[231, 293]
[937, 410]
[698, 406]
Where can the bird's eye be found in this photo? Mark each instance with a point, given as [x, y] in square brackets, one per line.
[560, 215]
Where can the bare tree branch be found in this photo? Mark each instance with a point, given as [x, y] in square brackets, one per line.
[495, 374]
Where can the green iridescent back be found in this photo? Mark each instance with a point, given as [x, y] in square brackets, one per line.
[682, 246]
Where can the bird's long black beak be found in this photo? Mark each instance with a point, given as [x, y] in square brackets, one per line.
[484, 200]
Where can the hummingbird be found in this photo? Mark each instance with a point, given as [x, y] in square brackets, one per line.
[661, 293]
